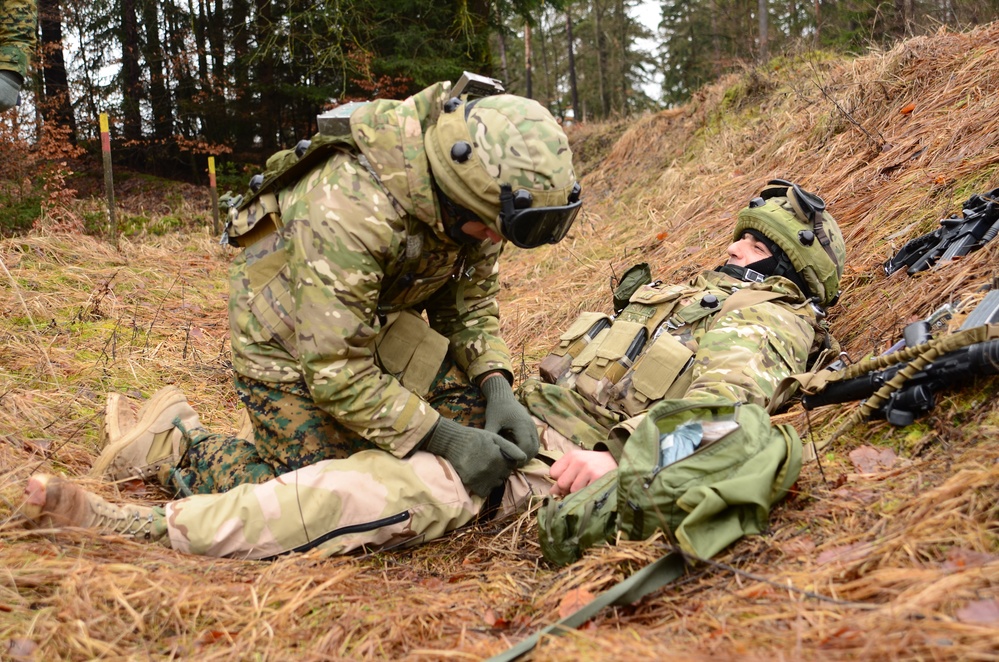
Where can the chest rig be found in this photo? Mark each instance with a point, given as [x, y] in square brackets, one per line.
[626, 363]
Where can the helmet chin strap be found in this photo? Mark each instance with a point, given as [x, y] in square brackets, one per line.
[455, 216]
[746, 274]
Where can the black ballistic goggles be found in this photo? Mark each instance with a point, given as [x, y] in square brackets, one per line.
[530, 227]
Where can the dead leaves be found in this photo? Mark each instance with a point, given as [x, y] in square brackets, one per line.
[869, 460]
[573, 601]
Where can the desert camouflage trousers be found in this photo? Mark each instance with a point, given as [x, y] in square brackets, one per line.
[374, 500]
[292, 432]
[371, 500]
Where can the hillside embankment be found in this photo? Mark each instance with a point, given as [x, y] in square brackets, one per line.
[887, 549]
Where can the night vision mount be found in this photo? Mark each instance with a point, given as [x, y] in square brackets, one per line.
[336, 122]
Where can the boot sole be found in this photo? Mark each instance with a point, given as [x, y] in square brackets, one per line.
[117, 407]
[167, 397]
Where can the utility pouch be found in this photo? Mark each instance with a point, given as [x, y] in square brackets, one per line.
[258, 219]
[631, 280]
[581, 333]
[613, 357]
[662, 370]
[409, 350]
[271, 300]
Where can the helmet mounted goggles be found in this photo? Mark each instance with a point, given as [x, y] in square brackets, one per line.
[529, 227]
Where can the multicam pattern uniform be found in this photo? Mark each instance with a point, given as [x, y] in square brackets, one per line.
[17, 34]
[307, 302]
[740, 356]
[375, 499]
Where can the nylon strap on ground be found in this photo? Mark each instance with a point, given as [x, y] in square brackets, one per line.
[625, 592]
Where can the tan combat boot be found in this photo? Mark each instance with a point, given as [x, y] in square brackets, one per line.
[120, 415]
[153, 446]
[55, 503]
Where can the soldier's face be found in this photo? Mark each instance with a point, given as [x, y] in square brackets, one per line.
[747, 250]
[481, 231]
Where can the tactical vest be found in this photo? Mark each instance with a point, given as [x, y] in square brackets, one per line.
[643, 355]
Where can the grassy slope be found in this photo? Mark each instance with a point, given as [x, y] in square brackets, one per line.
[899, 563]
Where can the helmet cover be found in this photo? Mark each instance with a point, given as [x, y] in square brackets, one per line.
[797, 221]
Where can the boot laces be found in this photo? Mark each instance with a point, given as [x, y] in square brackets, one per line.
[126, 520]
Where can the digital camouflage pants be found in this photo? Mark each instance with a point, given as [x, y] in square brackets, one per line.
[291, 432]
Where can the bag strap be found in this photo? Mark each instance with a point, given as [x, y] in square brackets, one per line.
[648, 579]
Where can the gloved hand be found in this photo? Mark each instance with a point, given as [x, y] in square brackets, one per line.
[503, 412]
[10, 86]
[482, 459]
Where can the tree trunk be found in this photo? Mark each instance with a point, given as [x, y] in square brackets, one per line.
[577, 114]
[816, 38]
[528, 83]
[57, 108]
[762, 11]
[600, 43]
[131, 91]
[266, 102]
[242, 129]
[159, 97]
[502, 44]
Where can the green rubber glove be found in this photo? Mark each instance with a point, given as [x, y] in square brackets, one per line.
[482, 459]
[506, 416]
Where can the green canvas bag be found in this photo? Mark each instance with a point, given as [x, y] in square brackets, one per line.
[704, 502]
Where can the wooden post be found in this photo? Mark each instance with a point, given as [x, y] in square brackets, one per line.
[215, 195]
[108, 179]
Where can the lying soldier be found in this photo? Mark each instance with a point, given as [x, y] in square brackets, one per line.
[734, 332]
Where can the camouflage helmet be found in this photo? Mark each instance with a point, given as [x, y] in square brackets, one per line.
[505, 159]
[797, 221]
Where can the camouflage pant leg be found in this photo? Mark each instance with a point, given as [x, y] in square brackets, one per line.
[17, 34]
[568, 413]
[291, 432]
[371, 500]
[456, 398]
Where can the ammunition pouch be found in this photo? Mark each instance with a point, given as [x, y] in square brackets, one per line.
[254, 221]
[409, 350]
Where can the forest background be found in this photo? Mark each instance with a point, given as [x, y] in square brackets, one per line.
[236, 79]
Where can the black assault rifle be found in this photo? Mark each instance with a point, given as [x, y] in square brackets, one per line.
[917, 395]
[955, 237]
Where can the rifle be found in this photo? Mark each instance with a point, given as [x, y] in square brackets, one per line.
[956, 237]
[921, 379]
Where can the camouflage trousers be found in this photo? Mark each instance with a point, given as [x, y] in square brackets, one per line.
[564, 413]
[18, 19]
[292, 432]
[370, 500]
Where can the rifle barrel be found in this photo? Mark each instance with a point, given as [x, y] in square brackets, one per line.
[978, 359]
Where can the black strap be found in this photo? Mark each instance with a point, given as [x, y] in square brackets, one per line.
[625, 592]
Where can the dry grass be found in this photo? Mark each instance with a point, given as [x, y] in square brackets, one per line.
[899, 564]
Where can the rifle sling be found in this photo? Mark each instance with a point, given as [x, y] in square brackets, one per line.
[648, 579]
[918, 358]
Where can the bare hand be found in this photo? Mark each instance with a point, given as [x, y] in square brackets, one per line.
[574, 471]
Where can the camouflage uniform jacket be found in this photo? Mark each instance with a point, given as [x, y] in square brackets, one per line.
[17, 34]
[361, 239]
[697, 348]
